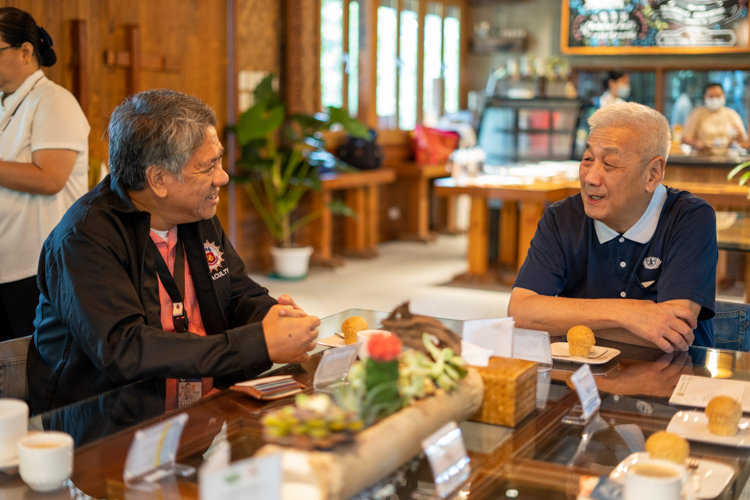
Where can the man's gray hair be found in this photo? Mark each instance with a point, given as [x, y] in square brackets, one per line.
[651, 127]
[157, 127]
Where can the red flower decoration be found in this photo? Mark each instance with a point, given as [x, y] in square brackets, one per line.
[384, 347]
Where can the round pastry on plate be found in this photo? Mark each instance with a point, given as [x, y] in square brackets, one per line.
[580, 340]
[664, 445]
[351, 327]
[724, 414]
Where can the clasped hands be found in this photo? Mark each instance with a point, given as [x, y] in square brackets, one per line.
[669, 325]
[290, 333]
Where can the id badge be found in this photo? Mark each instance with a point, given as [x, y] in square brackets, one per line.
[189, 390]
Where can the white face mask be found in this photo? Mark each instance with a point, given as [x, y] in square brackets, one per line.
[714, 103]
[623, 92]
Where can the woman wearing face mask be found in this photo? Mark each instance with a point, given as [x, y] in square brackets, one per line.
[43, 163]
[714, 126]
[618, 88]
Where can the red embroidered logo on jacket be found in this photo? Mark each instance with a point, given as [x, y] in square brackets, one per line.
[213, 255]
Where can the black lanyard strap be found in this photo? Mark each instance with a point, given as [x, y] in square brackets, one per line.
[174, 285]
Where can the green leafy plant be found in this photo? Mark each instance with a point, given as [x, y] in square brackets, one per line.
[745, 177]
[275, 165]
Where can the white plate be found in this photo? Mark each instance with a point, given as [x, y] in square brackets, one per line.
[693, 426]
[9, 464]
[560, 349]
[332, 341]
[714, 476]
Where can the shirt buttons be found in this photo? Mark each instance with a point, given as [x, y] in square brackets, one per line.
[622, 294]
[622, 264]
[621, 240]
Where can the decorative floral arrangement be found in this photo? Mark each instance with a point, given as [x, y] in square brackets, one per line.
[389, 379]
[313, 422]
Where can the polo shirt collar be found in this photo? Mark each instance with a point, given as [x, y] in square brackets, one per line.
[11, 100]
[643, 230]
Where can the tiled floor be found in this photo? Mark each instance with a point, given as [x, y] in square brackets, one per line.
[404, 271]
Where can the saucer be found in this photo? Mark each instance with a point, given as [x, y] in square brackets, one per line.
[7, 465]
[714, 476]
[693, 426]
[599, 355]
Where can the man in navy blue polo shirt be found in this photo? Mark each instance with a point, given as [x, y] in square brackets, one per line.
[628, 257]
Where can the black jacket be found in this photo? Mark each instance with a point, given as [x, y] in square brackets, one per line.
[98, 323]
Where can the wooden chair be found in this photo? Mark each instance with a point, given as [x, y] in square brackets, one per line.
[13, 380]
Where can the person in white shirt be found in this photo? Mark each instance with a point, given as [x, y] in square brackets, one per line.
[714, 126]
[617, 84]
[43, 163]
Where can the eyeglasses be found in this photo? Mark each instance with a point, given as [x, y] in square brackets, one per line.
[9, 47]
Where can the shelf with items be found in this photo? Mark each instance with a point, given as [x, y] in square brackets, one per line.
[513, 130]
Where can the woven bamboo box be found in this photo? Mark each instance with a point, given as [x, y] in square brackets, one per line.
[509, 391]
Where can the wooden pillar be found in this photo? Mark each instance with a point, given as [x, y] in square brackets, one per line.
[508, 235]
[231, 118]
[134, 46]
[531, 214]
[302, 56]
[368, 69]
[478, 237]
[80, 64]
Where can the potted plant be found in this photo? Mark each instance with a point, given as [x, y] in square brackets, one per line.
[276, 169]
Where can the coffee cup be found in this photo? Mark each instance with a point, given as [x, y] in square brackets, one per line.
[45, 459]
[14, 423]
[654, 479]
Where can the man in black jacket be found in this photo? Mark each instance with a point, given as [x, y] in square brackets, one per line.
[139, 280]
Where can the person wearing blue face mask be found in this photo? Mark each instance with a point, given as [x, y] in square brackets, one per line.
[714, 127]
[617, 84]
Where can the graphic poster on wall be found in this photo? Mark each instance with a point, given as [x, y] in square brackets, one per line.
[654, 26]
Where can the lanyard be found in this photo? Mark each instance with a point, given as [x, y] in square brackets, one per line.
[174, 285]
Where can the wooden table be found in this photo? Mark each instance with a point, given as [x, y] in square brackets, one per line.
[418, 178]
[362, 232]
[523, 207]
[541, 458]
[518, 223]
[735, 237]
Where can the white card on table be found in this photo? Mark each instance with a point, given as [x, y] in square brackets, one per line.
[153, 448]
[334, 365]
[583, 381]
[495, 334]
[532, 345]
[446, 454]
[243, 480]
[698, 391]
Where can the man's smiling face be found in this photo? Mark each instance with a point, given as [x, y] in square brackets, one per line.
[614, 178]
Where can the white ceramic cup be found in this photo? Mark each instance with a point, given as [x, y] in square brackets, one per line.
[14, 423]
[654, 479]
[363, 337]
[45, 459]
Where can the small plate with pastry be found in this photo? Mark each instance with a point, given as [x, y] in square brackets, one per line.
[581, 348]
[597, 356]
[695, 425]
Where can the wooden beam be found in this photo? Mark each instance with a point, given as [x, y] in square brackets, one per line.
[368, 69]
[122, 59]
[134, 42]
[80, 63]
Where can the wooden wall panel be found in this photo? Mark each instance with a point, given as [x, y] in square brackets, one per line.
[192, 32]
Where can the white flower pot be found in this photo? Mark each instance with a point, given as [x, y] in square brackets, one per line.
[291, 263]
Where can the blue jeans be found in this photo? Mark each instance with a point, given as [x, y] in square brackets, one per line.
[730, 326]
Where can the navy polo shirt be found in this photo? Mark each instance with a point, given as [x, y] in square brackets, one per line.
[571, 257]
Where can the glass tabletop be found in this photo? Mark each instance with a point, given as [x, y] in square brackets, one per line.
[540, 458]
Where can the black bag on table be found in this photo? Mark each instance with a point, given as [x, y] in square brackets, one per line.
[361, 153]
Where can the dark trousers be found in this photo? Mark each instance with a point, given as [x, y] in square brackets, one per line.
[18, 301]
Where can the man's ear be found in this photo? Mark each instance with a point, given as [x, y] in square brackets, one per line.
[655, 173]
[156, 177]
